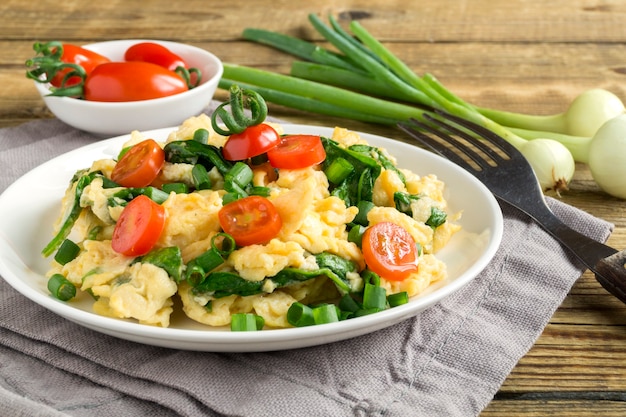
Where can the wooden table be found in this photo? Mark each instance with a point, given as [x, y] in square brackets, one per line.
[529, 56]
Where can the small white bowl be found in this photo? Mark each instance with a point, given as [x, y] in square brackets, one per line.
[112, 119]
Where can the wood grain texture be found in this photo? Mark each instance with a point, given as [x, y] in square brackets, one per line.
[518, 55]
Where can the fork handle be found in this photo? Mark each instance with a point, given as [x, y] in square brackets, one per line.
[605, 262]
[610, 274]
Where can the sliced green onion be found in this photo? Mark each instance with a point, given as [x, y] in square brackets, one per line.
[61, 288]
[259, 190]
[240, 173]
[127, 194]
[209, 260]
[355, 235]
[349, 304]
[246, 322]
[345, 315]
[300, 315]
[67, 252]
[339, 170]
[365, 311]
[198, 268]
[201, 135]
[194, 274]
[155, 194]
[370, 277]
[176, 187]
[374, 296]
[201, 179]
[227, 244]
[325, 313]
[230, 197]
[398, 298]
[237, 179]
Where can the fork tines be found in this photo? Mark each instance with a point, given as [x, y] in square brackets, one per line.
[453, 137]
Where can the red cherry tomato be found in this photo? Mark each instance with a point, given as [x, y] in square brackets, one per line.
[138, 228]
[140, 166]
[73, 54]
[253, 141]
[162, 56]
[131, 81]
[297, 151]
[155, 53]
[390, 251]
[250, 220]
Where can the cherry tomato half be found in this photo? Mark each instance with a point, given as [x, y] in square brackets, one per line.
[250, 220]
[390, 251]
[297, 151]
[131, 81]
[155, 53]
[253, 141]
[140, 165]
[73, 54]
[138, 228]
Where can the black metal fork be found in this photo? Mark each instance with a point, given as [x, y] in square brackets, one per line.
[509, 176]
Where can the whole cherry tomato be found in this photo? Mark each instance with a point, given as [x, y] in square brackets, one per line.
[73, 54]
[62, 65]
[162, 56]
[155, 53]
[131, 81]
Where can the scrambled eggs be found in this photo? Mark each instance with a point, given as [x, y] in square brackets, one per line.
[314, 221]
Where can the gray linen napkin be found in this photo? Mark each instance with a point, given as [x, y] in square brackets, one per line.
[448, 361]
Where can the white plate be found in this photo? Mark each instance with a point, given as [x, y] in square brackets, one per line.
[30, 205]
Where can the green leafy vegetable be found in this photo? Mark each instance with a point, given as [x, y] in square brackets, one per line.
[82, 182]
[193, 152]
[170, 259]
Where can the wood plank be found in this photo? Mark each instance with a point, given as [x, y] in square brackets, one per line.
[603, 404]
[441, 21]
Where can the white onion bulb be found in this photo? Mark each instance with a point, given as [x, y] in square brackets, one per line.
[607, 157]
[552, 162]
